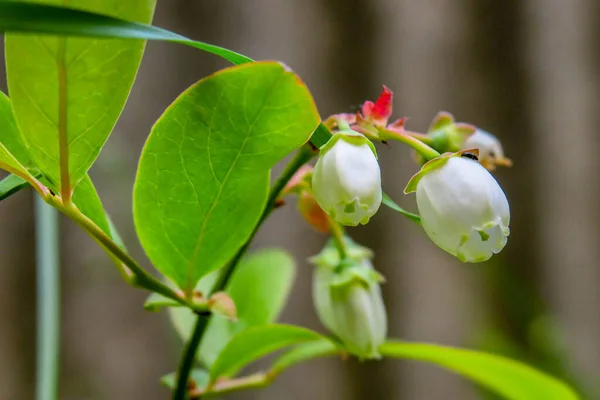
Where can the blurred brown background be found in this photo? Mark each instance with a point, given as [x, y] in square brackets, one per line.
[527, 71]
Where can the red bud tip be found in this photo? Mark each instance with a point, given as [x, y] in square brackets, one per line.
[383, 106]
[380, 111]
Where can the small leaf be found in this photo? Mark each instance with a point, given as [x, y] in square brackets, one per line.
[392, 204]
[304, 352]
[198, 375]
[255, 343]
[259, 287]
[222, 304]
[509, 378]
[203, 177]
[71, 90]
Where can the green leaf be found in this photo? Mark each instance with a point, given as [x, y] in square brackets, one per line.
[257, 342]
[13, 148]
[43, 18]
[87, 200]
[198, 375]
[392, 204]
[203, 177]
[509, 378]
[11, 185]
[259, 286]
[305, 352]
[9, 163]
[10, 136]
[69, 92]
[13, 156]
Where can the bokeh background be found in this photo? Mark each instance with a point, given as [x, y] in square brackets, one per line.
[527, 71]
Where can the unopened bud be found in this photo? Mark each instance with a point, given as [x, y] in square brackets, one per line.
[348, 300]
[312, 212]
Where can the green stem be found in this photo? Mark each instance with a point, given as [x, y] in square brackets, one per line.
[189, 355]
[337, 234]
[425, 150]
[423, 137]
[140, 277]
[302, 156]
[48, 300]
[262, 379]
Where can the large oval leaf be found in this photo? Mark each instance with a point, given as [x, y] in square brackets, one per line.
[259, 287]
[257, 342]
[203, 177]
[72, 90]
[509, 378]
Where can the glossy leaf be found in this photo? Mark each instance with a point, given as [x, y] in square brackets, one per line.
[255, 343]
[394, 206]
[203, 177]
[43, 18]
[509, 378]
[304, 352]
[259, 287]
[71, 90]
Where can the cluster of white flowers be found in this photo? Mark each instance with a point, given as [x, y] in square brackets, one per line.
[462, 207]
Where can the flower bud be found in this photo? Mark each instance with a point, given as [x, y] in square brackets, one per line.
[312, 212]
[490, 149]
[347, 181]
[462, 207]
[348, 299]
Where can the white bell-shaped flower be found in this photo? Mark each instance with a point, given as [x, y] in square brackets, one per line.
[462, 207]
[348, 299]
[347, 181]
[490, 149]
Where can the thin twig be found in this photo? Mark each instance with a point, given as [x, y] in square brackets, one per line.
[302, 156]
